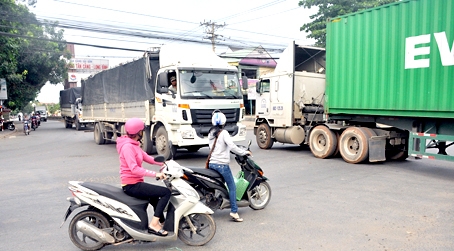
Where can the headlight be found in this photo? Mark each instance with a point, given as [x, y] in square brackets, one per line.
[188, 134]
[243, 131]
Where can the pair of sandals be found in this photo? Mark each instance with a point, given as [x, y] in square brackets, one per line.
[160, 232]
[236, 217]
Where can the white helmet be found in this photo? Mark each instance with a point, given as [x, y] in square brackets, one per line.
[218, 118]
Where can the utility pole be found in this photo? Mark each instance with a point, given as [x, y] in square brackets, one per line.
[210, 29]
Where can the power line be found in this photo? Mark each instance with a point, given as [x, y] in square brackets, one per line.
[254, 9]
[177, 20]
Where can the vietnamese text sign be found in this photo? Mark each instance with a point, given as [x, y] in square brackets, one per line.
[88, 64]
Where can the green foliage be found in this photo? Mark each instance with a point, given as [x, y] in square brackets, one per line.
[53, 108]
[330, 9]
[31, 53]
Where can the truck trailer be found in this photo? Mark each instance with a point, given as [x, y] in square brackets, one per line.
[382, 89]
[205, 82]
[71, 108]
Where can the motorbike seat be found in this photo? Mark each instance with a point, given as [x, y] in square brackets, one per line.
[208, 172]
[113, 192]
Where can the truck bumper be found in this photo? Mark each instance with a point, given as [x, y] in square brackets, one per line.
[186, 135]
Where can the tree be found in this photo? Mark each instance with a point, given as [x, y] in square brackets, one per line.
[330, 9]
[31, 53]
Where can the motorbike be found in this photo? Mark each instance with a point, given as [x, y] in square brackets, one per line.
[34, 123]
[26, 127]
[214, 192]
[38, 120]
[110, 217]
[11, 126]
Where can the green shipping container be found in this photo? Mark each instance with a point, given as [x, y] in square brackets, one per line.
[393, 60]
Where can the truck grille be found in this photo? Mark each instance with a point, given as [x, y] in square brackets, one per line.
[201, 120]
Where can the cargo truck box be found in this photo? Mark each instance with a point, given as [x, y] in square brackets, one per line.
[393, 60]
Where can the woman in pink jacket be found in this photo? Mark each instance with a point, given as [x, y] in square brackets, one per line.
[132, 174]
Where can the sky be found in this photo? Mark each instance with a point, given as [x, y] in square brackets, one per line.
[143, 24]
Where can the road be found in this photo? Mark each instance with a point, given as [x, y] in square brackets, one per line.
[316, 204]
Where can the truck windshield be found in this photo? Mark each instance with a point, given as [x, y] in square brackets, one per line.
[209, 85]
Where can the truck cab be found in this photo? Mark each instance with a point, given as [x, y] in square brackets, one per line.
[185, 114]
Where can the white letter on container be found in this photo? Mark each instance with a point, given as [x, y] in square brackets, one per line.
[411, 51]
[446, 54]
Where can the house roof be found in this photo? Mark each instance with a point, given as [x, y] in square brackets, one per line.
[256, 56]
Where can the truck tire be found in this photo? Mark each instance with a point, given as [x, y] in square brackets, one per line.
[354, 144]
[323, 142]
[68, 125]
[97, 133]
[162, 144]
[263, 136]
[147, 144]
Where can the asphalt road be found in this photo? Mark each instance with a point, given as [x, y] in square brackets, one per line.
[316, 204]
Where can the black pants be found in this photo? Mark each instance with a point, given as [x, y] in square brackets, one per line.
[157, 196]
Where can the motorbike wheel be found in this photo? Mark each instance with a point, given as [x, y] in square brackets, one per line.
[205, 228]
[260, 196]
[81, 240]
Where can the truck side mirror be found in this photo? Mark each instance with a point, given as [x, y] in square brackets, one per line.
[163, 83]
[245, 83]
[258, 86]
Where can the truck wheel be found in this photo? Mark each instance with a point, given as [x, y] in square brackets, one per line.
[263, 136]
[77, 125]
[99, 139]
[323, 142]
[354, 144]
[147, 144]
[69, 125]
[162, 144]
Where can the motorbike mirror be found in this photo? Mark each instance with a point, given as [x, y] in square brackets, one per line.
[249, 144]
[159, 158]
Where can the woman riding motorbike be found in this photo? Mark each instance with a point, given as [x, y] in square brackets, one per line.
[132, 174]
[220, 157]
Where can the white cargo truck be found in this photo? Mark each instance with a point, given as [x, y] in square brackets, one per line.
[140, 89]
[71, 108]
[41, 110]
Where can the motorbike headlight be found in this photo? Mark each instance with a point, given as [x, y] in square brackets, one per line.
[187, 134]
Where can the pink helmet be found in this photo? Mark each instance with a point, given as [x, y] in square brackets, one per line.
[134, 126]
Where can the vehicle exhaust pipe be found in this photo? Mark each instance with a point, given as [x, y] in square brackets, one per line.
[94, 232]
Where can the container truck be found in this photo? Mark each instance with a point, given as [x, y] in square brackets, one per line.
[140, 89]
[71, 108]
[387, 92]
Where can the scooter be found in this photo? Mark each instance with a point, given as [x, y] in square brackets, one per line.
[26, 127]
[11, 126]
[34, 123]
[214, 192]
[110, 217]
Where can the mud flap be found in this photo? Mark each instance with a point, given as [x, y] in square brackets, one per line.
[377, 146]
